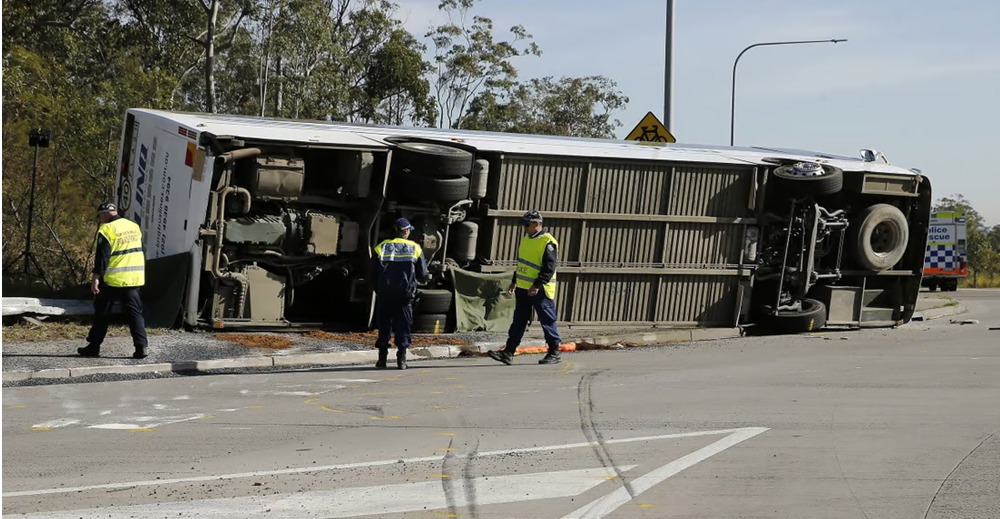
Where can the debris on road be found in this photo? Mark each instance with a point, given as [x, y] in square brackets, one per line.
[964, 321]
[13, 306]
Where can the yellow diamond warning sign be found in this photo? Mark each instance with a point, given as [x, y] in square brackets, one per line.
[650, 129]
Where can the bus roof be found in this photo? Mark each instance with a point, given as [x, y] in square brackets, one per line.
[375, 136]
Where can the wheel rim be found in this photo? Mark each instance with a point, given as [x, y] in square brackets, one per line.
[884, 238]
[434, 148]
[806, 169]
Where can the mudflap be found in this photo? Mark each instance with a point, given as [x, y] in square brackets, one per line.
[162, 297]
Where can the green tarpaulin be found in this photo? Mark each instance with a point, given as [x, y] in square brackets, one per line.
[481, 301]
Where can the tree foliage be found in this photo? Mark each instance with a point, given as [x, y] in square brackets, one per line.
[581, 107]
[75, 66]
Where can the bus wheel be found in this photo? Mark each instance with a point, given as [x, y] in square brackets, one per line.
[879, 237]
[810, 318]
[431, 301]
[805, 179]
[410, 186]
[430, 323]
[432, 160]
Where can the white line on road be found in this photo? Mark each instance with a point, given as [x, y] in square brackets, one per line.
[603, 506]
[349, 466]
[360, 501]
[55, 424]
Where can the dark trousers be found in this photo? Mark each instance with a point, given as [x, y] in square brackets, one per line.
[394, 315]
[545, 308]
[131, 308]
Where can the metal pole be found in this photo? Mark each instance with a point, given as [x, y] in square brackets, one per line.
[732, 106]
[668, 71]
[31, 215]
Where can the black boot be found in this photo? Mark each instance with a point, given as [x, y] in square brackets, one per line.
[89, 351]
[383, 357]
[501, 356]
[401, 359]
[139, 353]
[552, 357]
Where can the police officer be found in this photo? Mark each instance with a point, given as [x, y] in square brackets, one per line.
[533, 286]
[397, 267]
[120, 264]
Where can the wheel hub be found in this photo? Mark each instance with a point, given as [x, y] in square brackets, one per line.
[884, 237]
[807, 169]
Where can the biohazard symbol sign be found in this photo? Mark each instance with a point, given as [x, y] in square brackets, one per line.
[650, 129]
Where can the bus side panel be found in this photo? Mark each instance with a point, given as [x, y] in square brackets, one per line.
[642, 243]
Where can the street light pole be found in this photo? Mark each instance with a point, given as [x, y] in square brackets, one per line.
[732, 109]
[668, 71]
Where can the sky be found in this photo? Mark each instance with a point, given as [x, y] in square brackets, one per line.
[917, 80]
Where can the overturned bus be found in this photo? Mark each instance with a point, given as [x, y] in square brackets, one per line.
[268, 223]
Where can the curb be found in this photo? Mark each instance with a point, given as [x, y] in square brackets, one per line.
[348, 358]
[608, 342]
[937, 313]
[339, 358]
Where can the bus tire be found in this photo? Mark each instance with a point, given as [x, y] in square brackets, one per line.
[430, 323]
[785, 185]
[411, 186]
[432, 301]
[879, 237]
[810, 318]
[432, 160]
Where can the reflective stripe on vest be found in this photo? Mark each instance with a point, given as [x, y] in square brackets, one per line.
[127, 266]
[398, 250]
[529, 260]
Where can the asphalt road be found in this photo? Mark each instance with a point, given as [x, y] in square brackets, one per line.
[882, 424]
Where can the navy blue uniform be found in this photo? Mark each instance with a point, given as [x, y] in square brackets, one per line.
[544, 307]
[397, 267]
[128, 297]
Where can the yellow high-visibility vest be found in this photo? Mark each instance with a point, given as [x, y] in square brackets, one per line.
[127, 265]
[398, 250]
[529, 262]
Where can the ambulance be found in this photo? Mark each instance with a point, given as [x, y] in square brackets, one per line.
[946, 260]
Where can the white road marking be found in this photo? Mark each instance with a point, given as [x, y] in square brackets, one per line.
[603, 506]
[247, 392]
[361, 501]
[351, 466]
[147, 422]
[55, 424]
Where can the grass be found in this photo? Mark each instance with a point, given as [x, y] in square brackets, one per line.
[54, 331]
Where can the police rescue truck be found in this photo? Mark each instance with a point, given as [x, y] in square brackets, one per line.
[945, 261]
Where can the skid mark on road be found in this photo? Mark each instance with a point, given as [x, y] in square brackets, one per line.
[945, 480]
[590, 431]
